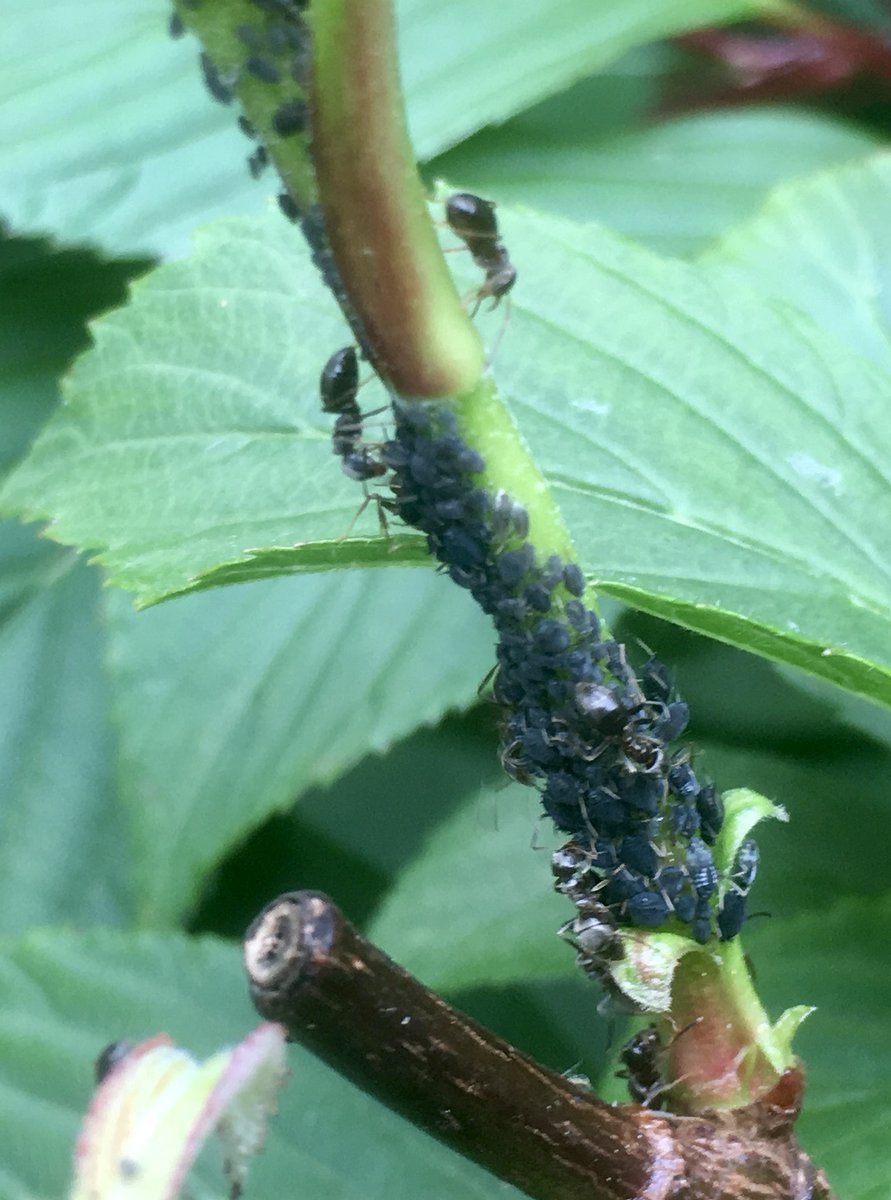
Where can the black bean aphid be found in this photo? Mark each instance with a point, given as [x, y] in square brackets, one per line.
[288, 206]
[472, 219]
[637, 852]
[538, 597]
[701, 925]
[672, 721]
[648, 909]
[745, 866]
[175, 26]
[108, 1059]
[258, 161]
[284, 36]
[250, 36]
[288, 8]
[682, 780]
[509, 519]
[732, 915]
[579, 725]
[263, 69]
[701, 865]
[290, 118]
[684, 905]
[573, 579]
[213, 81]
[670, 880]
[710, 806]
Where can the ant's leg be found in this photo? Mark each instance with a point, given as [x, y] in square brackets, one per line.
[359, 511]
[501, 331]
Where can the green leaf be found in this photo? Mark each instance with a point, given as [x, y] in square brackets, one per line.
[673, 186]
[232, 704]
[55, 293]
[824, 246]
[63, 997]
[839, 961]
[872, 14]
[500, 921]
[499, 60]
[109, 137]
[62, 845]
[694, 440]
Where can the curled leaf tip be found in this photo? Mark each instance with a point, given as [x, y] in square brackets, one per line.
[156, 1105]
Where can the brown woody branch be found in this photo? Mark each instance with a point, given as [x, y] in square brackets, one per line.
[341, 997]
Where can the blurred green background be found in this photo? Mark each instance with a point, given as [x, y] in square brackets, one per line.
[164, 773]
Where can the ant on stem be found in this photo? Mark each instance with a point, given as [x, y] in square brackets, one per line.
[472, 219]
[338, 387]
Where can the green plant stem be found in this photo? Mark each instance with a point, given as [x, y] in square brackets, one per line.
[722, 1059]
[388, 257]
[216, 25]
[420, 338]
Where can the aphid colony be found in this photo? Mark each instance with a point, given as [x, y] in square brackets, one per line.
[277, 49]
[579, 723]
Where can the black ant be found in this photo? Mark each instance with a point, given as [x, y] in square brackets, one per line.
[472, 219]
[643, 1059]
[338, 387]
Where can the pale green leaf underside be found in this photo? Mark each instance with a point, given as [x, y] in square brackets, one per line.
[110, 138]
[823, 245]
[64, 997]
[213, 455]
[673, 186]
[720, 461]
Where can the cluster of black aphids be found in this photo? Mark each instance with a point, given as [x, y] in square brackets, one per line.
[580, 724]
[607, 895]
[277, 50]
